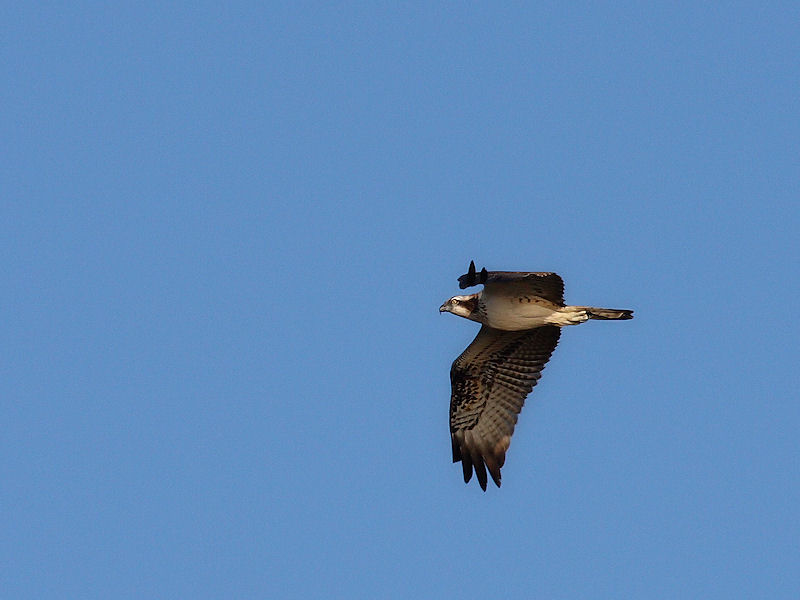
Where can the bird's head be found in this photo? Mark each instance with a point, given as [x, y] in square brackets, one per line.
[463, 306]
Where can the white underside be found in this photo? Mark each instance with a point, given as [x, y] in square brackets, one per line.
[509, 314]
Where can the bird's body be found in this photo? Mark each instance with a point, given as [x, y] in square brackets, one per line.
[521, 314]
[521, 311]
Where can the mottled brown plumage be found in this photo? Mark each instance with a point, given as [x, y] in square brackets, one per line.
[490, 381]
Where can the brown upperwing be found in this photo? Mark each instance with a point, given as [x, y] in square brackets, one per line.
[490, 381]
[545, 285]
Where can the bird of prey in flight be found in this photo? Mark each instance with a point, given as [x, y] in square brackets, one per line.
[521, 316]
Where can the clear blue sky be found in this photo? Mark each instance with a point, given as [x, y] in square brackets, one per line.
[226, 232]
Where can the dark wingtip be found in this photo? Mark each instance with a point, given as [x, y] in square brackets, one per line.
[471, 277]
[484, 275]
[480, 471]
[466, 467]
[494, 468]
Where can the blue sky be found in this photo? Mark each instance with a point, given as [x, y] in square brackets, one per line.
[226, 232]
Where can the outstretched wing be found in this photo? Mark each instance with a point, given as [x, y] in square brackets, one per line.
[545, 285]
[490, 381]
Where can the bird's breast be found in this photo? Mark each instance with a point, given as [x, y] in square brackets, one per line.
[516, 313]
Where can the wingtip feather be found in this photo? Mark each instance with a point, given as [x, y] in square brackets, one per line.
[494, 468]
[472, 277]
[480, 471]
[466, 467]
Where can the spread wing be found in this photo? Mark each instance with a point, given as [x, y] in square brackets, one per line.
[490, 381]
[545, 285]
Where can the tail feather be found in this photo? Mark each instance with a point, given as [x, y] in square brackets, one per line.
[609, 313]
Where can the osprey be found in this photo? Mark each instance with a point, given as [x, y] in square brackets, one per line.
[521, 315]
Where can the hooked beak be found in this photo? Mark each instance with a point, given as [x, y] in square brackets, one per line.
[443, 308]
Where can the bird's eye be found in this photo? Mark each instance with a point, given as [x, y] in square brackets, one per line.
[455, 301]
